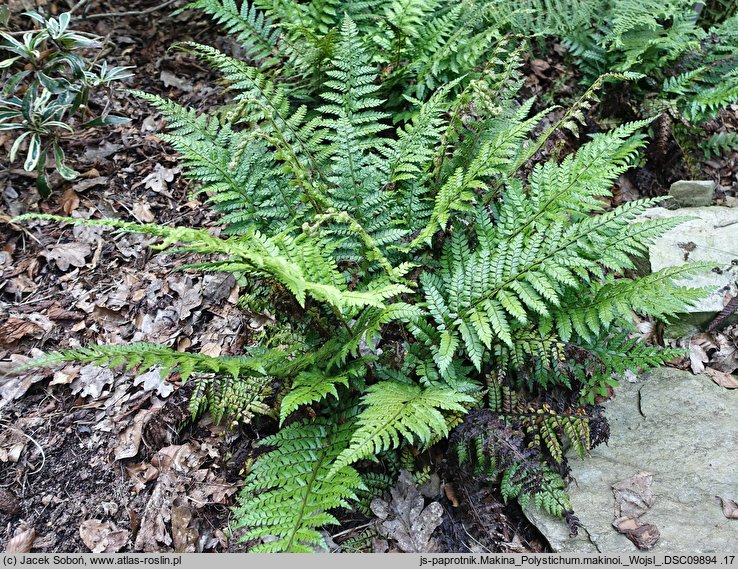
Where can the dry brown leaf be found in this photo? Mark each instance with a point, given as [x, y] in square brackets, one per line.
[68, 254]
[539, 67]
[22, 541]
[65, 376]
[142, 212]
[171, 80]
[91, 381]
[141, 474]
[15, 329]
[102, 537]
[184, 537]
[180, 458]
[56, 312]
[405, 519]
[730, 508]
[83, 185]
[633, 498]
[726, 380]
[211, 489]
[158, 179]
[643, 536]
[725, 359]
[16, 387]
[450, 492]
[152, 534]
[98, 153]
[697, 358]
[130, 439]
[152, 381]
[69, 201]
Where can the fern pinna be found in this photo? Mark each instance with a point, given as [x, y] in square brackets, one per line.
[406, 256]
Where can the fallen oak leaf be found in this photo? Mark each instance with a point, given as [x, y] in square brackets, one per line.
[92, 380]
[633, 498]
[726, 380]
[102, 537]
[68, 254]
[643, 536]
[730, 508]
[405, 519]
[22, 541]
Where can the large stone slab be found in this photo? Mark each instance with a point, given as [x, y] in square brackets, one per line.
[684, 430]
[711, 236]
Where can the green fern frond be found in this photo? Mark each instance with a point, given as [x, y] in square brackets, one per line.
[144, 357]
[290, 492]
[234, 399]
[314, 385]
[394, 412]
[301, 264]
[257, 34]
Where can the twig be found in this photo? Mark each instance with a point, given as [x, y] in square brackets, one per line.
[77, 6]
[34, 441]
[131, 13]
[341, 533]
[726, 313]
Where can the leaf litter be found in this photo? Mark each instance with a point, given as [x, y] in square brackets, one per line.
[66, 287]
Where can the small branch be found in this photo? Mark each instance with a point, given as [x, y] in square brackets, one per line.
[131, 13]
[726, 313]
[77, 6]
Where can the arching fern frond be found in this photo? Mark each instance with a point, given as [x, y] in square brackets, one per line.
[144, 357]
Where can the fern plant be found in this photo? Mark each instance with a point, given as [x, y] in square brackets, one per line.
[688, 59]
[407, 255]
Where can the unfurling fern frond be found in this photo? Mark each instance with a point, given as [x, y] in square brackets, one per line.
[289, 492]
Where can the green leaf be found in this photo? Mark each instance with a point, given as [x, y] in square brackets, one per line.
[394, 412]
[17, 144]
[310, 386]
[65, 171]
[33, 154]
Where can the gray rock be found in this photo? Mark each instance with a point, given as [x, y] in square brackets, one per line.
[692, 193]
[711, 236]
[679, 427]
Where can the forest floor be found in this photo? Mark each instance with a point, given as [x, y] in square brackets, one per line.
[94, 459]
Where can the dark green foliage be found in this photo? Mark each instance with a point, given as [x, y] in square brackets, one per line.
[288, 493]
[408, 248]
[689, 61]
[494, 447]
